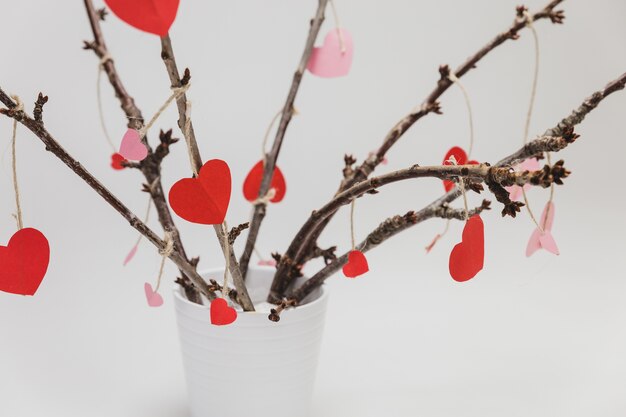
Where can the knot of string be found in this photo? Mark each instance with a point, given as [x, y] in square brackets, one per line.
[533, 93]
[18, 206]
[271, 193]
[165, 253]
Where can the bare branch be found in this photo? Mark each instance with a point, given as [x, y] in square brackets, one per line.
[272, 157]
[429, 105]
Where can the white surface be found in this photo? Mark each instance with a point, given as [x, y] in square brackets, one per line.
[537, 337]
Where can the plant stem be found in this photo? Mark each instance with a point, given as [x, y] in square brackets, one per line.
[271, 158]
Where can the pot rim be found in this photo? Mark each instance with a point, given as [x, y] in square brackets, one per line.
[311, 304]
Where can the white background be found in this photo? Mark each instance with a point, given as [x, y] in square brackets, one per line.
[528, 337]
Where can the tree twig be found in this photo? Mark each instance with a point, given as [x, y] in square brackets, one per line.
[169, 59]
[270, 160]
[53, 146]
[151, 166]
[301, 244]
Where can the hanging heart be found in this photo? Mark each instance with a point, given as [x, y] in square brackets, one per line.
[329, 60]
[24, 262]
[132, 148]
[154, 298]
[116, 161]
[467, 257]
[545, 240]
[461, 159]
[515, 191]
[204, 199]
[221, 313]
[152, 16]
[253, 182]
[357, 264]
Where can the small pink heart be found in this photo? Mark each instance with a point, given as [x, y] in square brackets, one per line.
[154, 298]
[131, 254]
[545, 240]
[515, 191]
[131, 147]
[329, 60]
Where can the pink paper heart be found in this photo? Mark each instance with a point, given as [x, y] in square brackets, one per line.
[515, 191]
[131, 147]
[131, 254]
[329, 60]
[154, 298]
[545, 240]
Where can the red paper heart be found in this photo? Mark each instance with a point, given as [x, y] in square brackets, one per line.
[467, 258]
[24, 262]
[221, 313]
[116, 161]
[357, 264]
[253, 182]
[153, 16]
[204, 199]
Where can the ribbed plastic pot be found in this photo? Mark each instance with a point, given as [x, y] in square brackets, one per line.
[253, 367]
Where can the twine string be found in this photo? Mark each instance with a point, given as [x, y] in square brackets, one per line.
[227, 258]
[16, 186]
[452, 160]
[531, 104]
[176, 92]
[342, 43]
[456, 81]
[533, 90]
[165, 253]
[352, 223]
[271, 193]
[103, 61]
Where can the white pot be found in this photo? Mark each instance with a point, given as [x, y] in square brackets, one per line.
[253, 367]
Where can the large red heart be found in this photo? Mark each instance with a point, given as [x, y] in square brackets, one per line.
[461, 159]
[203, 199]
[467, 258]
[24, 262]
[221, 313]
[253, 182]
[153, 16]
[357, 264]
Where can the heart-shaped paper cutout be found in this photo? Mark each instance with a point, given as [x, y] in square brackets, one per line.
[467, 257]
[329, 60]
[253, 182]
[132, 148]
[221, 313]
[545, 240]
[131, 254]
[205, 199]
[154, 298]
[24, 262]
[116, 161]
[357, 264]
[461, 159]
[515, 191]
[153, 16]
